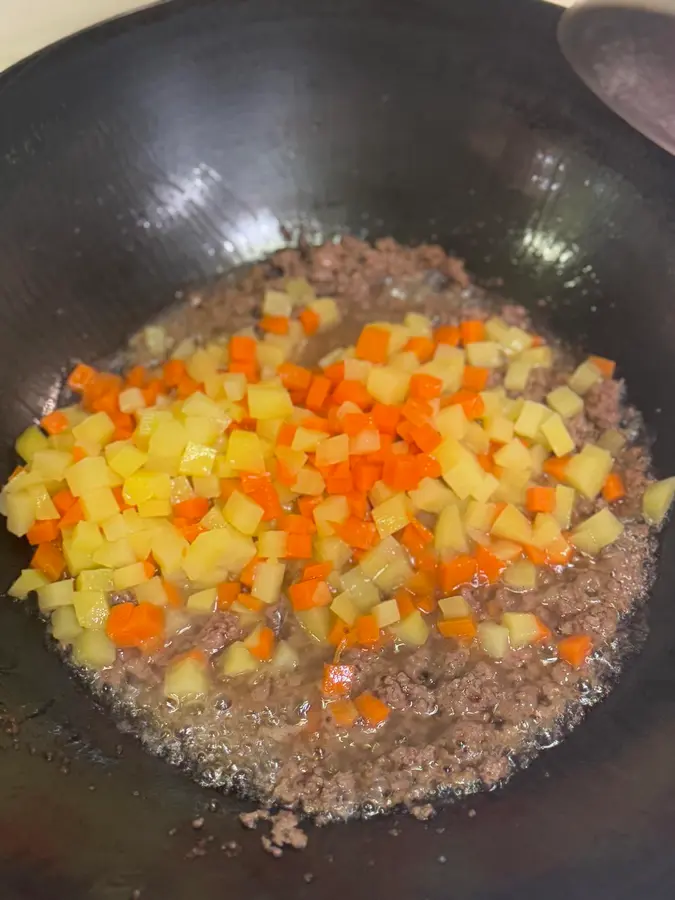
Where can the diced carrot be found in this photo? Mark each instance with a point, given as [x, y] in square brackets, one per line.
[243, 349]
[426, 437]
[340, 481]
[119, 624]
[55, 423]
[295, 524]
[544, 633]
[293, 377]
[540, 499]
[613, 488]
[472, 330]
[427, 466]
[186, 387]
[367, 630]
[379, 456]
[253, 481]
[405, 603]
[471, 403]
[458, 571]
[286, 434]
[335, 373]
[299, 546]
[416, 411]
[412, 541]
[422, 347]
[365, 474]
[462, 629]
[401, 473]
[374, 711]
[63, 500]
[337, 680]
[307, 505]
[318, 393]
[274, 324]
[475, 378]
[263, 647]
[373, 344]
[606, 367]
[173, 372]
[344, 713]
[425, 387]
[266, 497]
[250, 602]
[385, 417]
[403, 430]
[338, 633]
[485, 461]
[358, 505]
[173, 595]
[49, 560]
[424, 534]
[354, 392]
[488, 566]
[535, 555]
[362, 535]
[124, 426]
[248, 369]
[559, 553]
[79, 453]
[191, 530]
[152, 390]
[43, 532]
[310, 321]
[147, 623]
[193, 509]
[317, 570]
[247, 574]
[137, 376]
[107, 402]
[71, 516]
[195, 654]
[227, 487]
[447, 334]
[556, 467]
[355, 423]
[302, 594]
[149, 568]
[81, 377]
[316, 423]
[575, 649]
[227, 593]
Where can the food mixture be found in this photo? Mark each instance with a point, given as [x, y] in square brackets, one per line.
[346, 535]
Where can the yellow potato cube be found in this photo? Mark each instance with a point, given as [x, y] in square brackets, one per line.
[146, 486]
[449, 532]
[206, 486]
[168, 439]
[29, 580]
[203, 601]
[413, 630]
[545, 531]
[332, 509]
[30, 442]
[99, 504]
[214, 555]
[112, 555]
[332, 450]
[418, 325]
[20, 512]
[201, 430]
[598, 532]
[269, 401]
[565, 402]
[51, 465]
[345, 608]
[125, 459]
[96, 429]
[479, 516]
[512, 525]
[86, 537]
[186, 680]
[657, 500]
[327, 310]
[394, 576]
[506, 550]
[306, 440]
[93, 649]
[367, 441]
[64, 624]
[588, 470]
[584, 377]
[476, 438]
[431, 496]
[380, 492]
[91, 609]
[451, 422]
[455, 607]
[486, 354]
[152, 591]
[129, 576]
[87, 475]
[95, 580]
[530, 419]
[197, 459]
[317, 622]
[611, 440]
[557, 435]
[539, 357]
[517, 375]
[493, 639]
[242, 512]
[392, 515]
[333, 550]
[386, 613]
[199, 406]
[388, 385]
[58, 593]
[523, 628]
[267, 581]
[245, 452]
[169, 548]
[521, 575]
[513, 455]
[565, 498]
[131, 399]
[44, 506]
[310, 482]
[272, 544]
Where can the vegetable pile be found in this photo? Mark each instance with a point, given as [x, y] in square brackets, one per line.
[368, 492]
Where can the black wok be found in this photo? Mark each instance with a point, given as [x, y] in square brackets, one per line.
[159, 150]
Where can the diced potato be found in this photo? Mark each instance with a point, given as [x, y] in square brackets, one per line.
[386, 613]
[388, 385]
[334, 550]
[111, 555]
[516, 340]
[268, 401]
[199, 406]
[332, 509]
[539, 357]
[451, 422]
[599, 531]
[538, 454]
[245, 452]
[152, 591]
[394, 576]
[418, 325]
[565, 498]
[479, 516]
[29, 580]
[20, 512]
[413, 630]
[277, 303]
[167, 439]
[530, 419]
[44, 506]
[93, 649]
[588, 470]
[345, 608]
[611, 440]
[486, 354]
[362, 591]
[497, 330]
[432, 496]
[307, 440]
[214, 555]
[186, 679]
[125, 459]
[129, 576]
[558, 437]
[382, 555]
[517, 375]
[565, 402]
[367, 441]
[87, 537]
[521, 574]
[58, 593]
[455, 607]
[243, 513]
[96, 429]
[272, 544]
[499, 429]
[358, 369]
[513, 455]
[309, 482]
[91, 609]
[169, 548]
[584, 377]
[476, 438]
[141, 544]
[545, 531]
[206, 486]
[466, 478]
[449, 533]
[99, 504]
[513, 485]
[30, 442]
[115, 527]
[146, 486]
[523, 628]
[234, 385]
[88, 474]
[657, 500]
[512, 525]
[237, 660]
[392, 515]
[380, 492]
[198, 459]
[65, 627]
[316, 621]
[131, 399]
[407, 362]
[51, 464]
[202, 601]
[267, 581]
[284, 657]
[327, 310]
[494, 639]
[95, 580]
[332, 450]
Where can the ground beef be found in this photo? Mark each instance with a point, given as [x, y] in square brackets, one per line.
[603, 403]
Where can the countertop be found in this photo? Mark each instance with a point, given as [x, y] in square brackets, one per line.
[29, 25]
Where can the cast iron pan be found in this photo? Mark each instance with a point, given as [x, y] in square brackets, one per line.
[159, 150]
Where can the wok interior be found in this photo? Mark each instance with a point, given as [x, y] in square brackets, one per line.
[139, 160]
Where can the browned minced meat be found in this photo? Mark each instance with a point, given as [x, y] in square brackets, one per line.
[459, 720]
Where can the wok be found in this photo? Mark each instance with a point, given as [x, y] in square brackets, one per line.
[157, 151]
